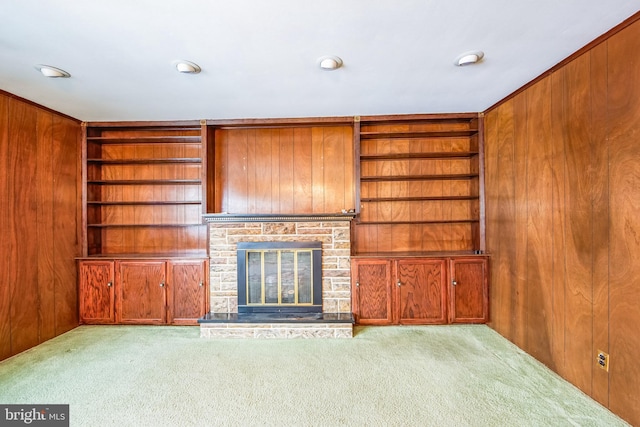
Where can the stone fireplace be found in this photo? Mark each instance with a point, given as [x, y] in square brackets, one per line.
[332, 318]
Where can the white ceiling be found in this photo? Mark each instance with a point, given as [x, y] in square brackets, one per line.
[259, 58]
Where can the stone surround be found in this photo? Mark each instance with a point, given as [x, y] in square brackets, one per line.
[336, 275]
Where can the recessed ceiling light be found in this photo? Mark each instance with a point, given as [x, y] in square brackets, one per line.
[187, 67]
[469, 58]
[330, 63]
[49, 71]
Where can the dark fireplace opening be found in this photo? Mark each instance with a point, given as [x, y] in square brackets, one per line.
[279, 277]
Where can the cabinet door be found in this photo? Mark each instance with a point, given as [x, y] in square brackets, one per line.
[421, 291]
[96, 292]
[141, 292]
[469, 296]
[187, 291]
[371, 296]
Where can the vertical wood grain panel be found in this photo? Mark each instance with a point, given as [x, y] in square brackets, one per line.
[22, 234]
[335, 168]
[302, 161]
[6, 290]
[285, 182]
[557, 264]
[578, 223]
[503, 278]
[600, 204]
[624, 233]
[65, 155]
[254, 170]
[519, 252]
[492, 197]
[218, 152]
[265, 172]
[236, 172]
[45, 223]
[349, 184]
[272, 199]
[317, 168]
[539, 211]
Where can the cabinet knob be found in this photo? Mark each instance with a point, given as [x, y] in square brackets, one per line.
[109, 284]
[201, 284]
[399, 283]
[357, 284]
[454, 283]
[162, 284]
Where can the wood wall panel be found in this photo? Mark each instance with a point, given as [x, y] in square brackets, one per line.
[285, 170]
[520, 219]
[6, 285]
[558, 185]
[22, 232]
[302, 182]
[562, 161]
[577, 140]
[66, 209]
[624, 233]
[600, 204]
[45, 197]
[539, 221]
[39, 224]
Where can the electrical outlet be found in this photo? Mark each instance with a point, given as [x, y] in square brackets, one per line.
[603, 360]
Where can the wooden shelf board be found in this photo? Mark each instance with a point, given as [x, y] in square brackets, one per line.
[417, 199]
[419, 134]
[145, 182]
[143, 225]
[452, 221]
[194, 160]
[419, 254]
[409, 156]
[165, 139]
[443, 177]
[147, 202]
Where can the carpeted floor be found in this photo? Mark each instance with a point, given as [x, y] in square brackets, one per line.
[385, 376]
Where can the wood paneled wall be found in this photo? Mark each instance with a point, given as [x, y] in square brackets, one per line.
[562, 183]
[284, 170]
[39, 189]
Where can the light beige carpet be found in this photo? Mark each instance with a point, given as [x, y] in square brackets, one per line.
[385, 376]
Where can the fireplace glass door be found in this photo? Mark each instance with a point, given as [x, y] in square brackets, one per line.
[279, 277]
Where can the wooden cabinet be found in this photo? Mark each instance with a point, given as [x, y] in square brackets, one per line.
[143, 291]
[469, 292]
[419, 290]
[96, 292]
[187, 298]
[371, 296]
[419, 185]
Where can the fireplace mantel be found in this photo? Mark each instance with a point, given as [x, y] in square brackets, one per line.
[240, 218]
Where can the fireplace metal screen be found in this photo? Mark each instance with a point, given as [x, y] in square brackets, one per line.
[279, 277]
